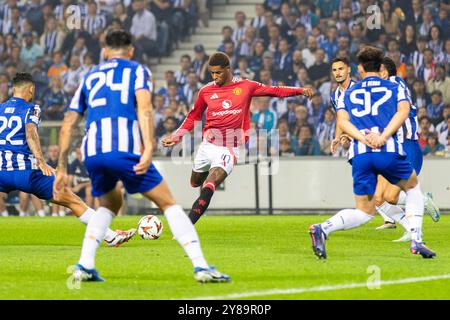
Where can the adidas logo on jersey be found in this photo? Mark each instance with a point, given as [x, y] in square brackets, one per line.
[214, 96]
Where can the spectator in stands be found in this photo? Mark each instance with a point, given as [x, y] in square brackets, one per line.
[420, 97]
[73, 76]
[189, 91]
[143, 29]
[41, 79]
[58, 67]
[243, 70]
[259, 20]
[427, 71]
[426, 128]
[264, 30]
[35, 16]
[274, 38]
[435, 108]
[325, 131]
[94, 22]
[307, 18]
[54, 100]
[309, 53]
[440, 82]
[357, 38]
[300, 38]
[319, 72]
[410, 75]
[170, 124]
[185, 65]
[15, 59]
[13, 22]
[229, 49]
[240, 28]
[79, 49]
[245, 48]
[330, 45]
[433, 147]
[167, 13]
[264, 117]
[200, 64]
[301, 118]
[31, 50]
[444, 57]
[416, 57]
[285, 148]
[427, 23]
[283, 60]
[316, 109]
[120, 13]
[307, 145]
[52, 38]
[158, 109]
[227, 35]
[390, 19]
[442, 130]
[442, 126]
[290, 22]
[4, 87]
[88, 63]
[435, 42]
[256, 59]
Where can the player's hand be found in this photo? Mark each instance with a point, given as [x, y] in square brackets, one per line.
[144, 162]
[61, 182]
[308, 92]
[169, 142]
[334, 144]
[45, 168]
[345, 141]
[375, 140]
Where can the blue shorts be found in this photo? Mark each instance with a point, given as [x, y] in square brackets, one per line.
[106, 169]
[366, 167]
[29, 181]
[414, 154]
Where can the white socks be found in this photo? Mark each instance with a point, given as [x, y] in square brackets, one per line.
[414, 212]
[86, 216]
[345, 219]
[4, 213]
[184, 232]
[95, 233]
[401, 198]
[393, 213]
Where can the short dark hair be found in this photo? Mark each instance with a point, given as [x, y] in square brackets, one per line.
[370, 58]
[390, 66]
[219, 59]
[118, 39]
[341, 59]
[22, 78]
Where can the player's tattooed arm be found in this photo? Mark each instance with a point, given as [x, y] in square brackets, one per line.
[35, 147]
[70, 122]
[145, 118]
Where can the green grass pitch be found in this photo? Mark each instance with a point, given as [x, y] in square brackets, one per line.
[261, 253]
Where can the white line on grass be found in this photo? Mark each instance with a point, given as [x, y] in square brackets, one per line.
[318, 288]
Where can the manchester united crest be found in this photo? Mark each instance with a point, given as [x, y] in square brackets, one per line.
[237, 91]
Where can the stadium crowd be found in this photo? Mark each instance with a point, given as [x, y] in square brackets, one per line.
[288, 42]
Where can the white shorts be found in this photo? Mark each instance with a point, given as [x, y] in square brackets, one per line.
[211, 156]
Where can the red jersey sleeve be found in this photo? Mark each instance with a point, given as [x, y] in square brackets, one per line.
[260, 89]
[194, 115]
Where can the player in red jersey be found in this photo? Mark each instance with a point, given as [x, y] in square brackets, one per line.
[226, 101]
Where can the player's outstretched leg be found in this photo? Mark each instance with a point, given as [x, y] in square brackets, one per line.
[343, 220]
[430, 207]
[215, 177]
[70, 200]
[184, 232]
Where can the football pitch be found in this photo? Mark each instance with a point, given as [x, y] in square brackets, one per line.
[268, 257]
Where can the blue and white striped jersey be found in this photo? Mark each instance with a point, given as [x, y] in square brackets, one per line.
[15, 154]
[371, 104]
[338, 93]
[410, 129]
[107, 95]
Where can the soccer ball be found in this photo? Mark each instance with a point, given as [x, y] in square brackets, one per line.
[150, 227]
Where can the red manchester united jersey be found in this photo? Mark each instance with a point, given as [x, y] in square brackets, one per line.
[228, 110]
